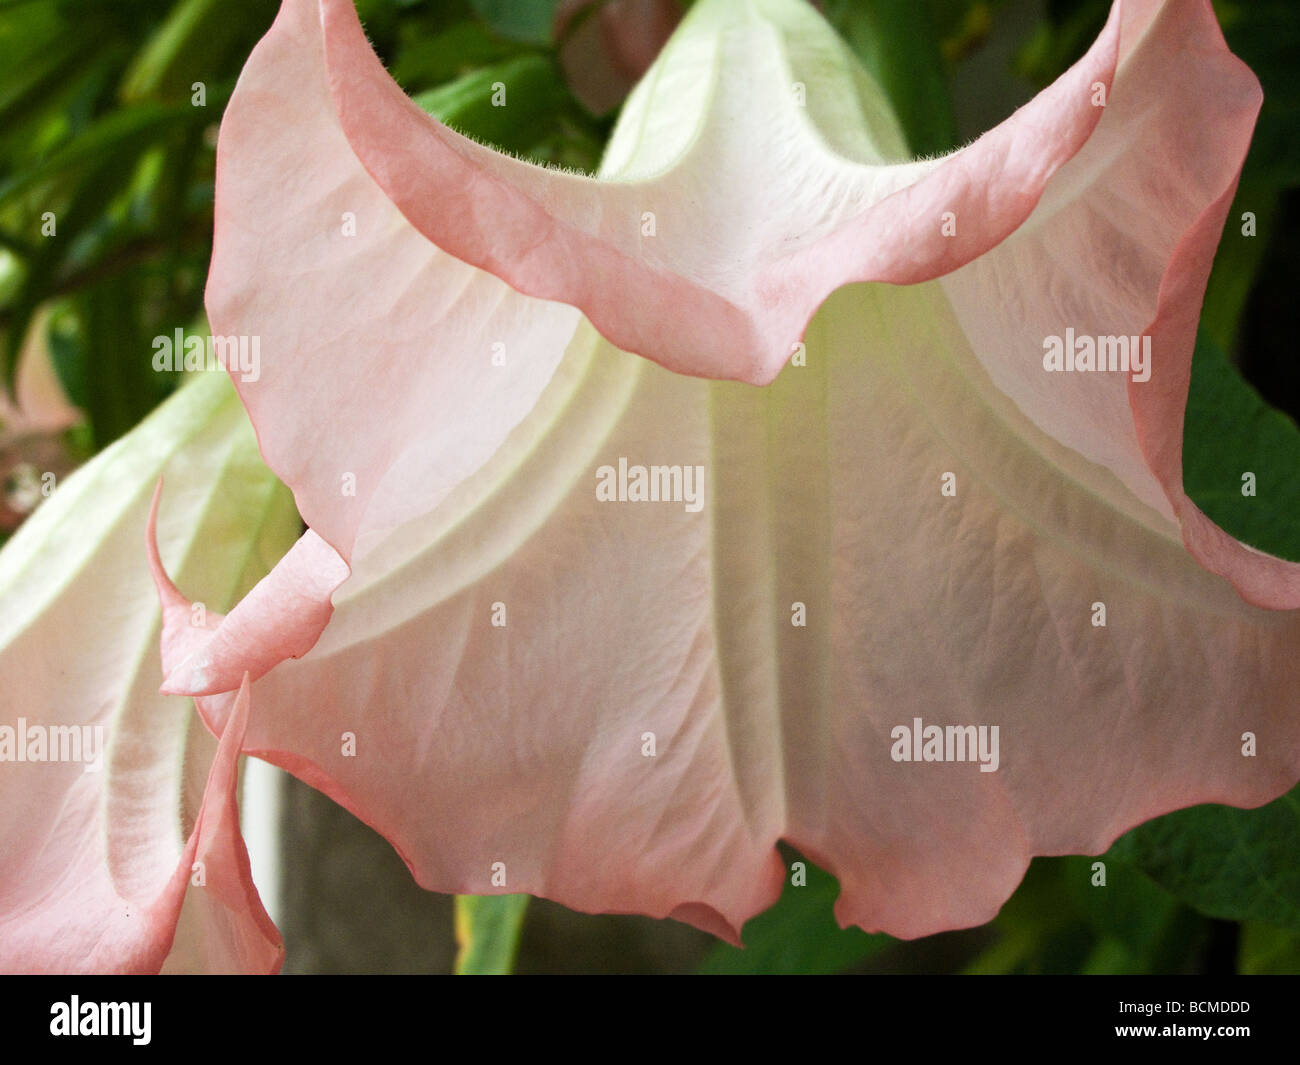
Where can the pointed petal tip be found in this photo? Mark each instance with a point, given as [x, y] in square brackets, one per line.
[250, 941]
[168, 593]
[704, 917]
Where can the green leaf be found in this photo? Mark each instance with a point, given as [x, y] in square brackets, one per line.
[1230, 431]
[169, 47]
[12, 274]
[531, 95]
[193, 43]
[1063, 920]
[1237, 261]
[123, 133]
[126, 387]
[961, 25]
[67, 354]
[40, 55]
[433, 58]
[1129, 907]
[1060, 39]
[487, 930]
[519, 20]
[40, 279]
[1265, 34]
[1229, 863]
[1266, 950]
[798, 935]
[898, 45]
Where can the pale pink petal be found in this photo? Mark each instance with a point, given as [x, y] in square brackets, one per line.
[1056, 510]
[1121, 245]
[526, 743]
[223, 926]
[96, 863]
[282, 617]
[979, 609]
[357, 331]
[757, 220]
[724, 287]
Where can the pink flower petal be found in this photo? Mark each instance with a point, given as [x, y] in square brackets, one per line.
[755, 224]
[523, 743]
[464, 358]
[1131, 236]
[96, 863]
[977, 610]
[223, 927]
[282, 617]
[517, 756]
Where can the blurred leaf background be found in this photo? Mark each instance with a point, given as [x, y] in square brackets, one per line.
[108, 119]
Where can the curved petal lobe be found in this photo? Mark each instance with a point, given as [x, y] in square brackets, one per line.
[282, 617]
[733, 245]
